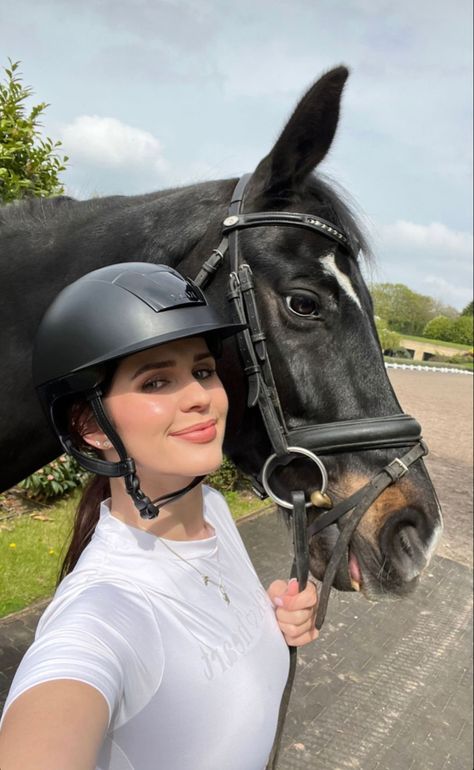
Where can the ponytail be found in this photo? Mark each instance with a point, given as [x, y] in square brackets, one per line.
[85, 521]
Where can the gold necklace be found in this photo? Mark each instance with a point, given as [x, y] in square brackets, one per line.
[206, 579]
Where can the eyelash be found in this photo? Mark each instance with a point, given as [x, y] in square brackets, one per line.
[148, 385]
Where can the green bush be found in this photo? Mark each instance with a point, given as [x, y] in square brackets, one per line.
[389, 340]
[226, 478]
[29, 164]
[440, 328]
[54, 480]
[463, 330]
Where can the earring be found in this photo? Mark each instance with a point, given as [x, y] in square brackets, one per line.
[107, 444]
[97, 443]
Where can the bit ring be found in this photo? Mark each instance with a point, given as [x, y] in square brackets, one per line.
[268, 468]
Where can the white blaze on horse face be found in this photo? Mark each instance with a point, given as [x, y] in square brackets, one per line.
[329, 265]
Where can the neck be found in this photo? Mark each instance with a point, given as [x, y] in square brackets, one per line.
[182, 519]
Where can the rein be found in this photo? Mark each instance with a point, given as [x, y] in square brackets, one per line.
[399, 430]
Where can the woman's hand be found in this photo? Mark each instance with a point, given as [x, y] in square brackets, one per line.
[295, 611]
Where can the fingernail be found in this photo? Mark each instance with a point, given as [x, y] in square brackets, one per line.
[278, 602]
[293, 580]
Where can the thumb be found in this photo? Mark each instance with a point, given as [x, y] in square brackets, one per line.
[276, 590]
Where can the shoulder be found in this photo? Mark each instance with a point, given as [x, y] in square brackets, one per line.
[216, 507]
[101, 635]
[103, 607]
[213, 496]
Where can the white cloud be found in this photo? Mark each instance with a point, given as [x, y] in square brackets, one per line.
[108, 143]
[433, 236]
[443, 288]
[431, 259]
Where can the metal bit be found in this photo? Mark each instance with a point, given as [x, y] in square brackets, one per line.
[321, 500]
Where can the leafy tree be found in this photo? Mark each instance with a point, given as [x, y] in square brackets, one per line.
[440, 328]
[463, 330]
[451, 330]
[469, 309]
[404, 310]
[29, 164]
[389, 340]
[439, 308]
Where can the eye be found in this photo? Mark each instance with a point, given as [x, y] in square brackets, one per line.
[155, 384]
[204, 374]
[302, 305]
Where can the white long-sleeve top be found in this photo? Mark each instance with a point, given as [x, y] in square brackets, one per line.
[191, 682]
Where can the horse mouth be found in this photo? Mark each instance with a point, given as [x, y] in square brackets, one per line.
[355, 572]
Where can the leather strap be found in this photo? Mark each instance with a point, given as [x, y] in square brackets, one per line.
[268, 218]
[350, 435]
[387, 476]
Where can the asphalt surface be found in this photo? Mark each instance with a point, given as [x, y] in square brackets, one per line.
[387, 686]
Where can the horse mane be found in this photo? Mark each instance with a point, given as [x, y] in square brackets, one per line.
[333, 203]
[338, 206]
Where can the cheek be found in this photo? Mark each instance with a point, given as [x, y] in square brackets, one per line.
[221, 402]
[132, 412]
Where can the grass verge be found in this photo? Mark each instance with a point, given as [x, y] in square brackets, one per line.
[441, 343]
[430, 364]
[32, 547]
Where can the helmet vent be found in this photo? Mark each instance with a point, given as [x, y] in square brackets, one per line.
[164, 293]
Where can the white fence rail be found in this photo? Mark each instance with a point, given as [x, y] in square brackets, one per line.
[416, 368]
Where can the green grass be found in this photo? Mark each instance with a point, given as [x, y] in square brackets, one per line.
[30, 555]
[443, 343]
[31, 551]
[430, 364]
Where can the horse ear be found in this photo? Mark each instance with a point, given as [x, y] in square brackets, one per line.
[304, 142]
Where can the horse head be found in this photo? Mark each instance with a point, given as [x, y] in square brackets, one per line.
[317, 315]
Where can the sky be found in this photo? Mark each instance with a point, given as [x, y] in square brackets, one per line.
[148, 94]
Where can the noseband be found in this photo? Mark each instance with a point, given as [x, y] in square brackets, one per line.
[398, 430]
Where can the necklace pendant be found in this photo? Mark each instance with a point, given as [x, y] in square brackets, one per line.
[225, 595]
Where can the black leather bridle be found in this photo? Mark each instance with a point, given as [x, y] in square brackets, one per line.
[313, 440]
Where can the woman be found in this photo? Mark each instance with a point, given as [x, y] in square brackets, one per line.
[160, 648]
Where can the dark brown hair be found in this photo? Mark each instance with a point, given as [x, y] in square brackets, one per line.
[85, 521]
[97, 488]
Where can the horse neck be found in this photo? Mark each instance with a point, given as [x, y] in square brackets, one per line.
[185, 223]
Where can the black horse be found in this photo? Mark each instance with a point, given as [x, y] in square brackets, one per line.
[314, 306]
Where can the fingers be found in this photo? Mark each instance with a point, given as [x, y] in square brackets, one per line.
[295, 637]
[293, 599]
[295, 611]
[276, 590]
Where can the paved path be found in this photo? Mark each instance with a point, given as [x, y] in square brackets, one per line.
[386, 687]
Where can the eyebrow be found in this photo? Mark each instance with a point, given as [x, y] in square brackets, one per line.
[165, 364]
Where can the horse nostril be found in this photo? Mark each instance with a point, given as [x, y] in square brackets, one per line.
[404, 543]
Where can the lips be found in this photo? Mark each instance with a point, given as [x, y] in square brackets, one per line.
[194, 428]
[354, 572]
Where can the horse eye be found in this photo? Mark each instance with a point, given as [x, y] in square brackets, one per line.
[301, 304]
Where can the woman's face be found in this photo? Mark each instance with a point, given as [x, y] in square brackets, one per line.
[169, 407]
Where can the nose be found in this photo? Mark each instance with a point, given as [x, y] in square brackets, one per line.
[195, 396]
[407, 543]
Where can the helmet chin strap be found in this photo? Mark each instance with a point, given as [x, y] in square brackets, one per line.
[148, 509]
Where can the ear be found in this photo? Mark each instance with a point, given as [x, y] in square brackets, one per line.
[304, 142]
[85, 424]
[97, 439]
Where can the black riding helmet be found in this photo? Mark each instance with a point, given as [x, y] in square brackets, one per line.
[105, 315]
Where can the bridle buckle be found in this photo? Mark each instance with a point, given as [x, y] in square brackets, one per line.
[401, 464]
